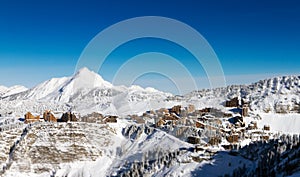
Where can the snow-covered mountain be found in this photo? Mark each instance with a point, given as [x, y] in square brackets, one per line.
[2, 89]
[7, 91]
[126, 148]
[84, 92]
[64, 89]
[278, 94]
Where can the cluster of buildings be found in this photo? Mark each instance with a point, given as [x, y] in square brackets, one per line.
[227, 127]
[49, 116]
[219, 126]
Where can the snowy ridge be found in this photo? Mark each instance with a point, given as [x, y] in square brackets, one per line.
[62, 89]
[87, 92]
[84, 92]
[277, 95]
[127, 148]
[5, 91]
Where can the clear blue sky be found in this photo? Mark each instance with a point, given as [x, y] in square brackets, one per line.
[44, 39]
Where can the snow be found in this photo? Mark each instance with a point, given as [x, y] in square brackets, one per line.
[84, 92]
[85, 78]
[285, 123]
[86, 168]
[5, 91]
[104, 148]
[15, 90]
[70, 149]
[46, 88]
[221, 164]
[90, 139]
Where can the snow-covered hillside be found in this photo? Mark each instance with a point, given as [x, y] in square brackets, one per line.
[87, 92]
[144, 148]
[5, 91]
[277, 95]
[79, 149]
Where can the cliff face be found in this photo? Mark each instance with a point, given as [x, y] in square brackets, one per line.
[46, 146]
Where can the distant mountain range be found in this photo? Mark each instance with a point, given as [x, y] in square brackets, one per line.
[86, 92]
[277, 95]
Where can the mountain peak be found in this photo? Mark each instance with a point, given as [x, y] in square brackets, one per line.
[85, 72]
[85, 78]
[3, 88]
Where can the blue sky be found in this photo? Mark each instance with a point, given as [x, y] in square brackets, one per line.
[44, 39]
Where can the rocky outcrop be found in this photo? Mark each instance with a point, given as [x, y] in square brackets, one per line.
[48, 145]
[110, 119]
[134, 131]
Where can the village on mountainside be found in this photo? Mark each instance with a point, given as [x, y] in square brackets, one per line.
[207, 132]
[227, 129]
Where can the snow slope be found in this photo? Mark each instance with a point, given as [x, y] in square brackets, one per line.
[80, 149]
[5, 91]
[84, 92]
[103, 150]
[277, 95]
[285, 123]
